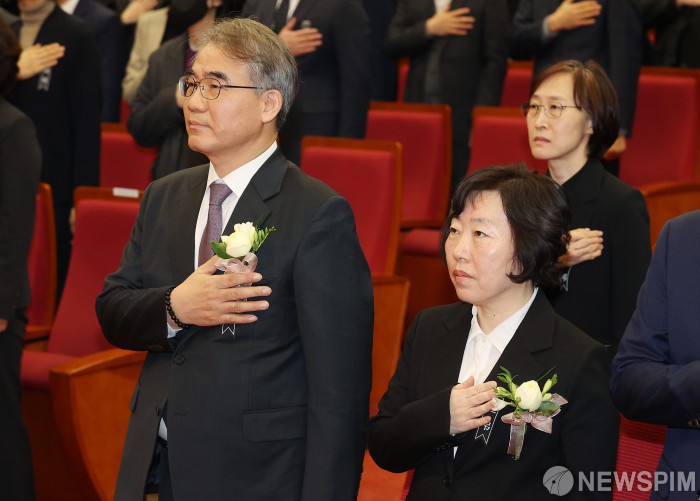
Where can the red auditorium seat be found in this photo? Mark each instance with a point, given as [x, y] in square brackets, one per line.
[665, 142]
[499, 137]
[425, 133]
[368, 174]
[639, 449]
[42, 265]
[124, 163]
[516, 86]
[102, 228]
[404, 67]
[668, 199]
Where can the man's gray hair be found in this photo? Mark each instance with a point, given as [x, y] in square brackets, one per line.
[269, 62]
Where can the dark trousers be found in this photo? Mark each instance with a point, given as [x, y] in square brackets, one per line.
[165, 489]
[16, 479]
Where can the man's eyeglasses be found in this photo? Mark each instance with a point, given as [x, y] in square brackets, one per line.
[551, 110]
[209, 87]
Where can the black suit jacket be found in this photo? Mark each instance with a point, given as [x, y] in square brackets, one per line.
[602, 293]
[472, 68]
[335, 79]
[279, 409]
[110, 45]
[613, 41]
[20, 164]
[64, 104]
[412, 429]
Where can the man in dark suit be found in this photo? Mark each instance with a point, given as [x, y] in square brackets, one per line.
[335, 76]
[109, 32]
[64, 102]
[274, 410]
[20, 163]
[458, 57]
[607, 31]
[656, 373]
[384, 67]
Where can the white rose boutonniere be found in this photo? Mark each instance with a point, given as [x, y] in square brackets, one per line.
[237, 252]
[532, 406]
[246, 239]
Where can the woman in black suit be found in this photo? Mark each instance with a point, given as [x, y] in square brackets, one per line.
[20, 163]
[572, 119]
[502, 239]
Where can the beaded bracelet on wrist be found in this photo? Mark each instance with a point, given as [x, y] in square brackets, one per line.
[171, 312]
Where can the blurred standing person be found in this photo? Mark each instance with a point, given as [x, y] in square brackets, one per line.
[384, 67]
[676, 24]
[458, 53]
[64, 103]
[20, 164]
[607, 31]
[330, 40]
[110, 45]
[572, 119]
[149, 33]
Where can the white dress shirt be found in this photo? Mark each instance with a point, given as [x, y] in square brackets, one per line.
[293, 4]
[441, 4]
[69, 6]
[483, 350]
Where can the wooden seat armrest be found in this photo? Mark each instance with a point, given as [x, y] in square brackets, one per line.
[36, 337]
[90, 397]
[107, 359]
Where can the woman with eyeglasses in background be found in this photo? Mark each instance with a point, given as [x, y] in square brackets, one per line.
[572, 119]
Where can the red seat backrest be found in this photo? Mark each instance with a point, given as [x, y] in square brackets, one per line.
[516, 86]
[102, 229]
[124, 163]
[42, 260]
[404, 67]
[368, 175]
[425, 133]
[665, 141]
[639, 449]
[499, 137]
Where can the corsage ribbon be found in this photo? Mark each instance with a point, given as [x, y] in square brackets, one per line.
[518, 426]
[232, 265]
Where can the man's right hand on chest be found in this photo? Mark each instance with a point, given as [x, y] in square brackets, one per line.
[207, 299]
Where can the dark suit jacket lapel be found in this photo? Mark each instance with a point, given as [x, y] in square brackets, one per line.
[535, 333]
[266, 183]
[443, 366]
[583, 192]
[184, 216]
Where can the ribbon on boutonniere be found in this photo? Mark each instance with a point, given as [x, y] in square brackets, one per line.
[532, 406]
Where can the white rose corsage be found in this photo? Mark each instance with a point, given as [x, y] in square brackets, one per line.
[532, 406]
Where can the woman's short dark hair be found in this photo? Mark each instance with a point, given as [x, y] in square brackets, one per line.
[538, 215]
[9, 55]
[593, 92]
